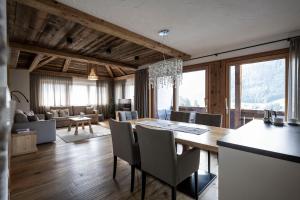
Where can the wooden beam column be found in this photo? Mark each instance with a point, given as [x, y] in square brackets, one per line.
[35, 62]
[66, 65]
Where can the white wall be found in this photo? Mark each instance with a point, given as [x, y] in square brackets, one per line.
[254, 50]
[19, 80]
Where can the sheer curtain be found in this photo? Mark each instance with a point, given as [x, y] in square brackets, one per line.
[49, 91]
[104, 97]
[84, 92]
[119, 90]
[129, 90]
[294, 80]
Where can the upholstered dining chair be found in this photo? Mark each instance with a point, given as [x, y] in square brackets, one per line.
[166, 165]
[180, 116]
[126, 115]
[208, 119]
[124, 147]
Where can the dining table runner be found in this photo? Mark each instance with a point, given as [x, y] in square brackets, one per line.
[169, 125]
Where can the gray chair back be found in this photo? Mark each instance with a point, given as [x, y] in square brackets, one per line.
[180, 116]
[134, 114]
[123, 141]
[209, 119]
[122, 116]
[158, 153]
[127, 115]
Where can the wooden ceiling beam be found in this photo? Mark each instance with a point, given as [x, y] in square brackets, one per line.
[13, 58]
[87, 20]
[124, 77]
[66, 64]
[66, 74]
[121, 71]
[36, 62]
[65, 55]
[46, 61]
[111, 74]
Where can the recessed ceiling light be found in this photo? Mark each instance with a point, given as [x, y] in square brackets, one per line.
[108, 50]
[69, 40]
[163, 32]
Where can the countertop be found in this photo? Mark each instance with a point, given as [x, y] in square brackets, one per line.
[266, 139]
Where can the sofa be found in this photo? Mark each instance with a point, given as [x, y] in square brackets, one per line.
[73, 111]
[45, 129]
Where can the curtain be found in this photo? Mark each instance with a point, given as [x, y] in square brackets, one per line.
[49, 91]
[294, 80]
[35, 94]
[119, 89]
[141, 92]
[129, 90]
[105, 97]
[84, 92]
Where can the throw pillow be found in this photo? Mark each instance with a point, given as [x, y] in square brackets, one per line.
[54, 112]
[20, 117]
[32, 118]
[63, 113]
[89, 110]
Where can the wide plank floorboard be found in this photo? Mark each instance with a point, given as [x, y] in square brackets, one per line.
[83, 171]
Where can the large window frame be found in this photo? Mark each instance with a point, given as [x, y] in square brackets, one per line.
[261, 57]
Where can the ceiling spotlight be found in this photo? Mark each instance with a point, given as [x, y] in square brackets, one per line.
[163, 32]
[69, 40]
[108, 50]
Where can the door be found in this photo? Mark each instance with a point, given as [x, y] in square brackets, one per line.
[254, 86]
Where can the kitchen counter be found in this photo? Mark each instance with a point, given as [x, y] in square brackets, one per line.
[260, 161]
[266, 139]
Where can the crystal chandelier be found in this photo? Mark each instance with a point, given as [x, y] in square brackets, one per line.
[166, 73]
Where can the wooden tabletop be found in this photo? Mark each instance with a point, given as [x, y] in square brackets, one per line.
[80, 119]
[206, 141]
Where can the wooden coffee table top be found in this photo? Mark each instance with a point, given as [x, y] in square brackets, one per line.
[80, 119]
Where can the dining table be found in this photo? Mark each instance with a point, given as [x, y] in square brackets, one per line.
[195, 136]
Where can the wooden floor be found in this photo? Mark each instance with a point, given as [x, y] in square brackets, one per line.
[62, 171]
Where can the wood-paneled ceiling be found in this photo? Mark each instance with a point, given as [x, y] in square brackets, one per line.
[45, 40]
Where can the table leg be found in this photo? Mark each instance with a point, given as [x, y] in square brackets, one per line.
[204, 180]
[90, 125]
[208, 162]
[82, 125]
[69, 128]
[76, 129]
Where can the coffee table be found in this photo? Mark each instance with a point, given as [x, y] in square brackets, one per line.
[78, 121]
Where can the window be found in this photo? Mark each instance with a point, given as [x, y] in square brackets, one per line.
[129, 90]
[84, 92]
[164, 97]
[263, 85]
[254, 87]
[54, 91]
[192, 89]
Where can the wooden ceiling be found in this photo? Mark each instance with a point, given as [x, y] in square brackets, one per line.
[49, 36]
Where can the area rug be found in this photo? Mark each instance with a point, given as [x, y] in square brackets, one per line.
[68, 136]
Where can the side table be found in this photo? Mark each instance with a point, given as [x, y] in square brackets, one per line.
[23, 143]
